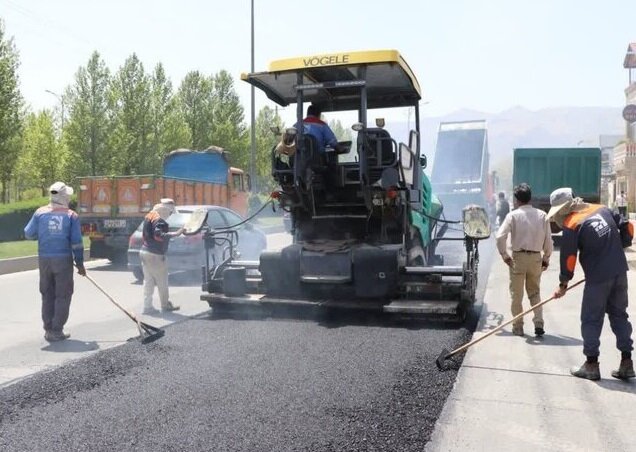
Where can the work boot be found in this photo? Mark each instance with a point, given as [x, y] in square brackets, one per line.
[539, 331]
[625, 370]
[589, 371]
[56, 336]
[170, 307]
[517, 330]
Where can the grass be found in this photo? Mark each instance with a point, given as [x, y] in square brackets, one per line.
[31, 204]
[23, 248]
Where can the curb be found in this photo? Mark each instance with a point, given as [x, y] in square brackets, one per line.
[22, 264]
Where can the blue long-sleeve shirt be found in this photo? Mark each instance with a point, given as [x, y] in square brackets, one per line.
[320, 130]
[594, 233]
[58, 232]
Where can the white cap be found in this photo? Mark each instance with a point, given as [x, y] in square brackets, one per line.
[558, 199]
[61, 188]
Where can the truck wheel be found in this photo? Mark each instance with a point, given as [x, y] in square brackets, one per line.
[138, 273]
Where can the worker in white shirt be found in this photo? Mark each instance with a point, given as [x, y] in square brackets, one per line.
[531, 249]
[621, 203]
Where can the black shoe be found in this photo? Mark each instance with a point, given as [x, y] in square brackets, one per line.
[56, 336]
[539, 332]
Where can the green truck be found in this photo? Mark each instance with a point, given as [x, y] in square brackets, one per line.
[546, 169]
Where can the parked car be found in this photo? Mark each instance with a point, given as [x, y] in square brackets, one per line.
[187, 253]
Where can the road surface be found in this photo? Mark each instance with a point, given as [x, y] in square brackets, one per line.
[230, 384]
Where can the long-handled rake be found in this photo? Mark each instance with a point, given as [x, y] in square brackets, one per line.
[147, 332]
[445, 354]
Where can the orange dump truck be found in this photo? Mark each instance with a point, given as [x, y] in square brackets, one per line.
[112, 207]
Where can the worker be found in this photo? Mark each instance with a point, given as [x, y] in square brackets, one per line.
[502, 208]
[316, 127]
[59, 235]
[156, 238]
[592, 230]
[621, 204]
[530, 236]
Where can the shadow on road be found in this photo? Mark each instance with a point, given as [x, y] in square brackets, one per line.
[549, 339]
[628, 386]
[71, 346]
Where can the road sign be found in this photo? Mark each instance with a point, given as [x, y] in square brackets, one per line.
[629, 113]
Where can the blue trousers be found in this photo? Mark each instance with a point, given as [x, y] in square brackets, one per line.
[606, 297]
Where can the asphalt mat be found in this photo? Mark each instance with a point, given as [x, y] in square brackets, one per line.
[248, 384]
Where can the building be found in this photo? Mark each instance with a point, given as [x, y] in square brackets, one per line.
[625, 151]
[607, 143]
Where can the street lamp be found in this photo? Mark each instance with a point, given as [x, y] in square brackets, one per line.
[61, 99]
[253, 112]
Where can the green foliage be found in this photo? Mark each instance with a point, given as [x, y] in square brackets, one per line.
[30, 205]
[129, 100]
[31, 193]
[265, 141]
[42, 160]
[341, 133]
[195, 104]
[86, 131]
[10, 110]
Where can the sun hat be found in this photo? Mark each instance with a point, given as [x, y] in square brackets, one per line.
[559, 198]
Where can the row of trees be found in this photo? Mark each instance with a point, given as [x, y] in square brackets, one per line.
[121, 123]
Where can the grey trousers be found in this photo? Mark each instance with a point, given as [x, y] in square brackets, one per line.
[56, 287]
[598, 299]
[155, 269]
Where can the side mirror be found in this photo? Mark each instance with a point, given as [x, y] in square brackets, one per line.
[476, 222]
[248, 182]
[357, 127]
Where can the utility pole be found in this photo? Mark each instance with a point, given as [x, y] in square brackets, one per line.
[61, 99]
[253, 115]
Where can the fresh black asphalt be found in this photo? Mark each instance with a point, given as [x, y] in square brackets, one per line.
[228, 384]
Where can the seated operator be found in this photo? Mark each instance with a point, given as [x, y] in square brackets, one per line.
[314, 126]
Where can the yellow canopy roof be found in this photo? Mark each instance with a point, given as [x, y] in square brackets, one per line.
[333, 80]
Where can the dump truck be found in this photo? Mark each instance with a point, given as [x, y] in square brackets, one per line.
[546, 169]
[365, 229]
[460, 174]
[111, 207]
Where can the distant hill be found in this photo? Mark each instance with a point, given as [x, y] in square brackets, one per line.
[520, 127]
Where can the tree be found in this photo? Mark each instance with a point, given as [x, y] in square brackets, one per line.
[339, 131]
[195, 105]
[42, 159]
[10, 111]
[228, 127]
[168, 128]
[130, 109]
[86, 132]
[265, 141]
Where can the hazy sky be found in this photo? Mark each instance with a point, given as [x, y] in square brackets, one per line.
[487, 55]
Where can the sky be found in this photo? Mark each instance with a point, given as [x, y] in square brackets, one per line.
[487, 55]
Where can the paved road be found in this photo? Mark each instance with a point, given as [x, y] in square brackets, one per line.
[241, 384]
[95, 324]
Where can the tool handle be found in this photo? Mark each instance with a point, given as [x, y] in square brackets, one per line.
[111, 299]
[518, 316]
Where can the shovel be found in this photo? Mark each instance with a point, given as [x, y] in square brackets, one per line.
[445, 354]
[147, 332]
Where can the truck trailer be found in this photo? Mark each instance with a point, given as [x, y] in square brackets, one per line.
[111, 207]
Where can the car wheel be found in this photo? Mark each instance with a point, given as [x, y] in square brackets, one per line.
[138, 273]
